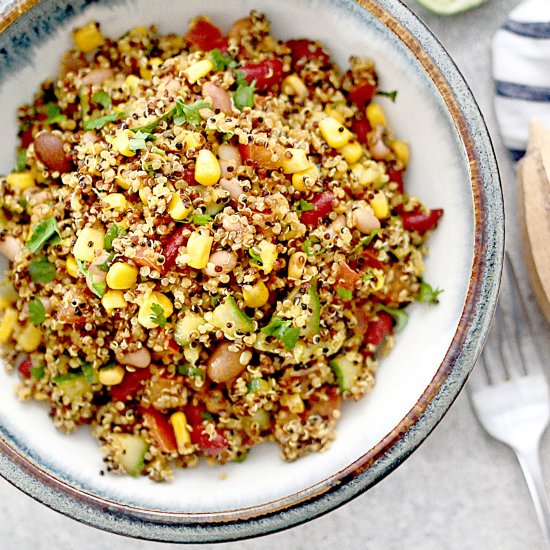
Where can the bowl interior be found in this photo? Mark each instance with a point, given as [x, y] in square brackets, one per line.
[438, 174]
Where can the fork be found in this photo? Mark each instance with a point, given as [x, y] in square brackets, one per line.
[512, 404]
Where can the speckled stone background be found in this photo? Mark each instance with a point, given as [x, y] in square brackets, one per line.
[459, 491]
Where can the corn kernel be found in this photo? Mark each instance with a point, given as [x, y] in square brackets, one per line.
[147, 315]
[88, 38]
[375, 115]
[39, 176]
[352, 152]
[301, 181]
[139, 31]
[334, 133]
[5, 303]
[380, 279]
[113, 299]
[268, 255]
[256, 295]
[20, 180]
[111, 376]
[294, 85]
[30, 338]
[401, 150]
[7, 324]
[367, 174]
[121, 143]
[181, 431]
[207, 168]
[295, 160]
[380, 206]
[89, 241]
[178, 209]
[155, 62]
[122, 181]
[145, 194]
[72, 267]
[198, 70]
[122, 276]
[131, 81]
[146, 73]
[293, 402]
[116, 201]
[193, 140]
[198, 249]
[334, 113]
[296, 265]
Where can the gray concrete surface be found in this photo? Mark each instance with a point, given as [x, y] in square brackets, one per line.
[459, 491]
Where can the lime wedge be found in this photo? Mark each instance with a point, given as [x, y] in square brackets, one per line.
[449, 7]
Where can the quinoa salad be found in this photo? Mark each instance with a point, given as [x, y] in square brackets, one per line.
[210, 243]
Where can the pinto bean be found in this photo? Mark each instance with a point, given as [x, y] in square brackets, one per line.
[224, 365]
[220, 98]
[49, 149]
[96, 76]
[140, 358]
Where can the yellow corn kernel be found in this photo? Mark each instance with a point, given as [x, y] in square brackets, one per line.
[146, 73]
[121, 181]
[296, 265]
[268, 255]
[293, 402]
[139, 31]
[175, 41]
[198, 70]
[207, 168]
[132, 81]
[301, 181]
[89, 241]
[256, 295]
[7, 324]
[198, 249]
[334, 113]
[148, 315]
[178, 209]
[295, 160]
[88, 38]
[352, 152]
[144, 194]
[39, 176]
[401, 150]
[121, 143]
[30, 338]
[334, 133]
[5, 303]
[116, 201]
[113, 299]
[294, 85]
[181, 431]
[111, 376]
[72, 267]
[380, 279]
[155, 62]
[20, 180]
[193, 140]
[367, 174]
[375, 115]
[380, 205]
[122, 276]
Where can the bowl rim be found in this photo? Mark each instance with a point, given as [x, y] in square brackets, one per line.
[416, 425]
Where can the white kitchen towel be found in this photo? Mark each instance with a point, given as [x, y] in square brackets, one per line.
[521, 71]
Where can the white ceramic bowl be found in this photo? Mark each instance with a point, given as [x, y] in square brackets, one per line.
[452, 166]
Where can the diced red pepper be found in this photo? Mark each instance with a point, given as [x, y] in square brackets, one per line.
[346, 277]
[303, 51]
[362, 94]
[367, 259]
[160, 429]
[362, 323]
[212, 447]
[130, 385]
[26, 137]
[396, 176]
[361, 127]
[189, 177]
[421, 222]
[25, 367]
[266, 73]
[324, 407]
[205, 35]
[379, 329]
[322, 207]
[172, 246]
[261, 155]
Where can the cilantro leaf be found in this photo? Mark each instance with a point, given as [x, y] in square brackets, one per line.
[189, 113]
[150, 128]
[105, 265]
[102, 98]
[243, 96]
[390, 95]
[41, 270]
[201, 219]
[400, 316]
[344, 293]
[53, 113]
[221, 61]
[367, 277]
[255, 258]
[157, 315]
[304, 206]
[428, 295]
[283, 331]
[139, 140]
[99, 122]
[307, 247]
[43, 232]
[365, 241]
[21, 160]
[112, 233]
[37, 372]
[37, 312]
[97, 288]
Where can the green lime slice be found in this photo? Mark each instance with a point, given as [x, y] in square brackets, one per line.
[449, 7]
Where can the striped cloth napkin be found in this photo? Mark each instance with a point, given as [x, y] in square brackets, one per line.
[521, 70]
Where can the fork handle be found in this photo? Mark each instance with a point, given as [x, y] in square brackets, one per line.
[530, 464]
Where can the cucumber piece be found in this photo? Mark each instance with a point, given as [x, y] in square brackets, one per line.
[313, 326]
[230, 319]
[184, 327]
[130, 452]
[213, 208]
[73, 385]
[347, 368]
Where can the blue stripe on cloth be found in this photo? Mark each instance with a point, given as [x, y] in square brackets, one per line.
[517, 154]
[522, 91]
[531, 30]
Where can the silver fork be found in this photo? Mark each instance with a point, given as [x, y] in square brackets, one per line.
[513, 403]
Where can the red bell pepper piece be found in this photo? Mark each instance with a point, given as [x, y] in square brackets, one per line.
[160, 429]
[346, 277]
[212, 447]
[361, 127]
[324, 407]
[362, 94]
[130, 385]
[322, 207]
[396, 176]
[379, 329]
[205, 35]
[261, 155]
[303, 51]
[367, 259]
[172, 246]
[25, 367]
[421, 222]
[266, 73]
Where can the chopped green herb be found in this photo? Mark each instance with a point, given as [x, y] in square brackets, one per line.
[89, 372]
[258, 384]
[428, 295]
[390, 95]
[150, 128]
[41, 270]
[283, 331]
[189, 113]
[367, 277]
[221, 61]
[37, 312]
[255, 258]
[98, 123]
[201, 219]
[400, 316]
[308, 244]
[53, 113]
[97, 288]
[102, 98]
[157, 315]
[44, 231]
[344, 293]
[105, 265]
[365, 241]
[207, 416]
[84, 105]
[113, 232]
[155, 149]
[188, 370]
[304, 206]
[139, 140]
[241, 457]
[37, 372]
[22, 160]
[243, 96]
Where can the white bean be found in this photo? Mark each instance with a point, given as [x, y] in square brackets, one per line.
[377, 144]
[140, 358]
[97, 275]
[10, 247]
[219, 97]
[232, 186]
[220, 259]
[365, 220]
[228, 156]
[224, 365]
[96, 76]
